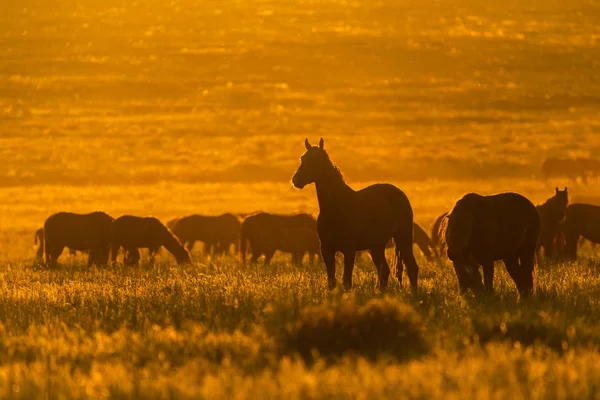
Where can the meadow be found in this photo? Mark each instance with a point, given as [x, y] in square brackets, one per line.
[171, 108]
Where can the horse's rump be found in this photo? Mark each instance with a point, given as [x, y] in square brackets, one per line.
[78, 231]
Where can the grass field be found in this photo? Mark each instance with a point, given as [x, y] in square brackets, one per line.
[170, 108]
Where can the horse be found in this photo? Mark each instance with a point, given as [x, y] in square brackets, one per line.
[262, 231]
[38, 240]
[133, 233]
[297, 241]
[552, 213]
[217, 232]
[482, 229]
[436, 237]
[353, 220]
[580, 220]
[78, 232]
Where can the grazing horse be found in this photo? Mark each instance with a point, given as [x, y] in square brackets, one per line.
[482, 229]
[436, 237]
[297, 241]
[351, 220]
[78, 232]
[552, 213]
[263, 232]
[217, 233]
[133, 233]
[580, 220]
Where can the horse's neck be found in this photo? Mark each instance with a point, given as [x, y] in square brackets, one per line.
[332, 194]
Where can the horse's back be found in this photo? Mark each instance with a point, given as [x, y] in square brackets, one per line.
[583, 219]
[503, 224]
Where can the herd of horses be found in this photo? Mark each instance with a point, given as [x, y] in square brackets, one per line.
[572, 169]
[476, 232]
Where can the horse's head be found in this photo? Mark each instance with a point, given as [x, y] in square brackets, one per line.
[560, 202]
[312, 163]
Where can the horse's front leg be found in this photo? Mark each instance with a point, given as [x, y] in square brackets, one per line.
[329, 259]
[349, 257]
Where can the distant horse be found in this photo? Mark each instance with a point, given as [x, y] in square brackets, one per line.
[581, 220]
[78, 232]
[422, 241]
[217, 233]
[436, 239]
[350, 220]
[133, 233]
[482, 229]
[552, 213]
[38, 240]
[297, 241]
[263, 230]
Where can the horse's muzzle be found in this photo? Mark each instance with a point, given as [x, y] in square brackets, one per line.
[298, 184]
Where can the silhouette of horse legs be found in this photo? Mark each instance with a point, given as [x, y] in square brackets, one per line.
[488, 275]
[349, 257]
[268, 256]
[404, 250]
[189, 244]
[297, 258]
[329, 259]
[571, 241]
[520, 269]
[52, 255]
[383, 269]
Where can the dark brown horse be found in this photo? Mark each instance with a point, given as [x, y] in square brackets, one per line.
[217, 233]
[552, 213]
[581, 220]
[133, 233]
[78, 232]
[482, 229]
[436, 239]
[350, 220]
[263, 232]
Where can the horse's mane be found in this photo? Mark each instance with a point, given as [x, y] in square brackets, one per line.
[334, 168]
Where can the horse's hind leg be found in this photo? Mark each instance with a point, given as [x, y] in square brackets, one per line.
[383, 269]
[488, 275]
[329, 259]
[404, 250]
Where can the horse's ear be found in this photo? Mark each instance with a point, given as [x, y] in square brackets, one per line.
[307, 144]
[321, 143]
[557, 189]
[565, 189]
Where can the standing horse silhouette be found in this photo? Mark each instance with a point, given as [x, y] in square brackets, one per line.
[581, 220]
[78, 232]
[552, 213]
[482, 229]
[351, 220]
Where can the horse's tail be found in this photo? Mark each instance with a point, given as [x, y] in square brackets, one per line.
[455, 232]
[45, 246]
[243, 243]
